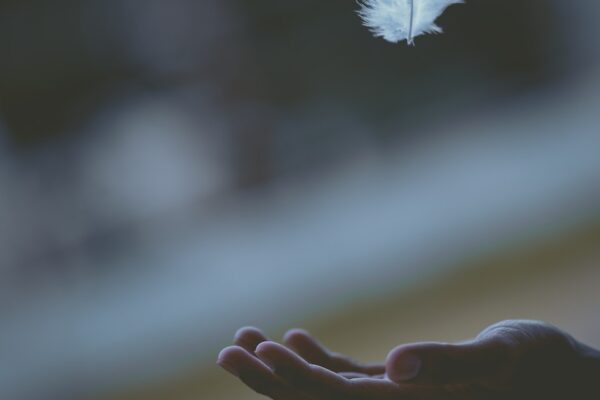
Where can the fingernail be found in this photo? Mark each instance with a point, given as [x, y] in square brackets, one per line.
[228, 368]
[406, 368]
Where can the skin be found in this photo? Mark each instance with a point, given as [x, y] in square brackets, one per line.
[508, 360]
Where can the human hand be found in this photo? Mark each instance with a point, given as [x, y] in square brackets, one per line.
[244, 361]
[511, 359]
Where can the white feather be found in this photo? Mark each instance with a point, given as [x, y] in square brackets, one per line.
[397, 20]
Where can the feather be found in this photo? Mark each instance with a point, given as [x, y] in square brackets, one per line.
[397, 20]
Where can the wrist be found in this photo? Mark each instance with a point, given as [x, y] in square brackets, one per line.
[587, 371]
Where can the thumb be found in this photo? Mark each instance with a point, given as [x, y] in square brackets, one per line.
[441, 363]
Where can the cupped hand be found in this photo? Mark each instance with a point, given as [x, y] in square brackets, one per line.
[249, 360]
[509, 360]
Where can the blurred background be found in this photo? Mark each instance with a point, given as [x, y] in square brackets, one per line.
[171, 170]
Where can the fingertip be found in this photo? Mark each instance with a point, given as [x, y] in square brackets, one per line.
[228, 358]
[394, 354]
[267, 353]
[295, 334]
[248, 330]
[249, 337]
[267, 348]
[302, 342]
[403, 364]
[229, 353]
[306, 346]
[249, 334]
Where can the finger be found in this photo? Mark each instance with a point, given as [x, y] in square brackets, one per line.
[441, 363]
[315, 381]
[315, 353]
[249, 338]
[357, 375]
[255, 374]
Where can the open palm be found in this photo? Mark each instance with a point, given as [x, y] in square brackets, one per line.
[509, 360]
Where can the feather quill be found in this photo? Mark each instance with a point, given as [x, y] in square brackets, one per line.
[397, 20]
